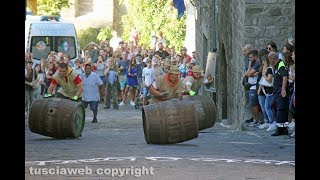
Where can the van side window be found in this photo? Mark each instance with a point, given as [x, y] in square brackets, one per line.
[66, 45]
[41, 46]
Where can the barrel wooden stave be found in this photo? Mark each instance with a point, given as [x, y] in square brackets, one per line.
[56, 117]
[205, 109]
[169, 122]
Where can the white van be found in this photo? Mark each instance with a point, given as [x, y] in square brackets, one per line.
[44, 34]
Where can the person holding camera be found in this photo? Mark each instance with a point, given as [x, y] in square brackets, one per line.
[93, 51]
[112, 84]
[100, 68]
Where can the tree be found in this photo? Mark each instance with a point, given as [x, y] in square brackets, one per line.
[50, 7]
[105, 33]
[157, 15]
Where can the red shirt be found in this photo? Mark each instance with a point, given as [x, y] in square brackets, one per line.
[186, 56]
[189, 73]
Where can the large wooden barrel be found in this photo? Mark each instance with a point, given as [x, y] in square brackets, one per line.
[56, 117]
[205, 109]
[169, 122]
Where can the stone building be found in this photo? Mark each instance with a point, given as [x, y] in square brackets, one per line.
[95, 13]
[227, 25]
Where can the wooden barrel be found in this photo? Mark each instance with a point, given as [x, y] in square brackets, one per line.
[169, 122]
[56, 117]
[205, 109]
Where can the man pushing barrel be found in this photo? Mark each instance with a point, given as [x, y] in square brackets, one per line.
[70, 82]
[167, 86]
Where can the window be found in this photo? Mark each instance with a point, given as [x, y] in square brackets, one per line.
[42, 45]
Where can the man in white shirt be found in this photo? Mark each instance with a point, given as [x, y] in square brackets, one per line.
[91, 83]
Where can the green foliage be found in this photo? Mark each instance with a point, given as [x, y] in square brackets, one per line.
[49, 7]
[87, 35]
[105, 33]
[157, 15]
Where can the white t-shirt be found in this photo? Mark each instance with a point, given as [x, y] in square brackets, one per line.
[253, 80]
[280, 56]
[148, 74]
[90, 86]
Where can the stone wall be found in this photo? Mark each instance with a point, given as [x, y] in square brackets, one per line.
[90, 13]
[269, 20]
[230, 34]
[228, 25]
[96, 14]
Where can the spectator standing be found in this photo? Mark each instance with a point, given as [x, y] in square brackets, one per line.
[161, 52]
[147, 80]
[132, 82]
[251, 73]
[280, 93]
[91, 83]
[265, 95]
[272, 46]
[111, 73]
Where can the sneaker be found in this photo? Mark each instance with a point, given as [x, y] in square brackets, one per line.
[257, 124]
[263, 126]
[116, 108]
[293, 135]
[121, 104]
[280, 131]
[249, 120]
[132, 103]
[272, 127]
[253, 123]
[291, 126]
[94, 121]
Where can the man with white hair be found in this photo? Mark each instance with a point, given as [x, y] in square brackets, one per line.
[281, 91]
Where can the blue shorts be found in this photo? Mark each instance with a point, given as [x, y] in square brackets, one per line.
[253, 98]
[145, 91]
[122, 82]
[139, 81]
[93, 104]
[103, 79]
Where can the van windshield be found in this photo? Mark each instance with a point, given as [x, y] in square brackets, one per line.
[42, 45]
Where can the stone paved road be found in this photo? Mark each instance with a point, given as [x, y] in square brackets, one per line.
[117, 143]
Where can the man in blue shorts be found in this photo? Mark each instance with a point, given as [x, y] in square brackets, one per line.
[91, 83]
